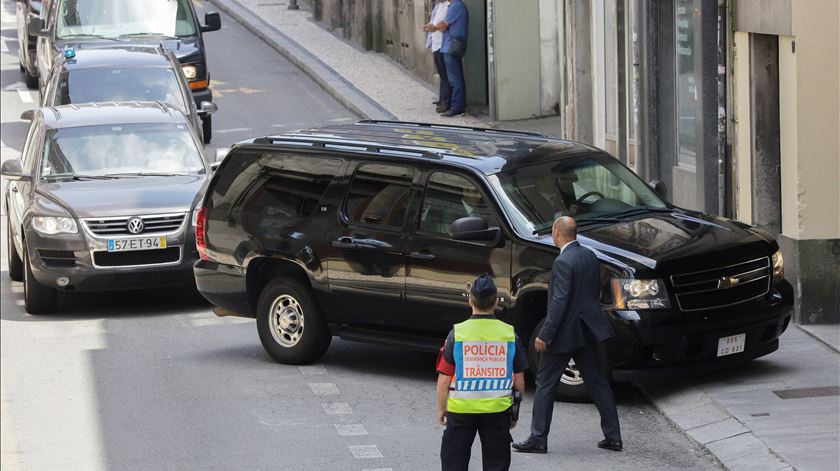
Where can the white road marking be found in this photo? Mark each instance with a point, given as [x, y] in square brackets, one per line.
[225, 131]
[350, 430]
[365, 451]
[23, 92]
[313, 370]
[3, 46]
[323, 389]
[337, 408]
[25, 96]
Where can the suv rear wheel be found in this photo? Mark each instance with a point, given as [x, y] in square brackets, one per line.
[289, 323]
[571, 387]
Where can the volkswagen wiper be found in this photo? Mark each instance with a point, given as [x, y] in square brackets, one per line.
[148, 174]
[78, 177]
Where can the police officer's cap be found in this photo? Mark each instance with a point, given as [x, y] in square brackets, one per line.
[483, 287]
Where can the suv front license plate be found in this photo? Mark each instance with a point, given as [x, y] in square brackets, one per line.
[140, 243]
[731, 345]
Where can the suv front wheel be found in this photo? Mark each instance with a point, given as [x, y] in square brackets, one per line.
[571, 387]
[289, 323]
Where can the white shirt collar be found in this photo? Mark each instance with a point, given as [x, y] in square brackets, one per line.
[563, 249]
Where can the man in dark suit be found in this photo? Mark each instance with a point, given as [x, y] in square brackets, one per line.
[573, 327]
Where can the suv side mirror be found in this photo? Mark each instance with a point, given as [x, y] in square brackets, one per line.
[208, 107]
[473, 228]
[36, 26]
[212, 22]
[660, 188]
[12, 170]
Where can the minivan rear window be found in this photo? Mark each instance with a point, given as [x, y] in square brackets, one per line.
[114, 18]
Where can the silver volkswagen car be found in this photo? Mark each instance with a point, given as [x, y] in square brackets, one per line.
[102, 198]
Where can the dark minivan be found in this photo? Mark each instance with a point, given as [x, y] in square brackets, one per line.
[74, 23]
[373, 231]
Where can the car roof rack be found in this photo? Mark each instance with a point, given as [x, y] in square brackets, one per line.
[346, 145]
[453, 127]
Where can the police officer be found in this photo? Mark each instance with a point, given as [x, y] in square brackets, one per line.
[481, 361]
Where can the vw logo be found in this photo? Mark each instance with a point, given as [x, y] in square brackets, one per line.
[135, 225]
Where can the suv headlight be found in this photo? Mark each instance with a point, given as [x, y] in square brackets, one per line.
[634, 294]
[52, 225]
[778, 265]
[190, 72]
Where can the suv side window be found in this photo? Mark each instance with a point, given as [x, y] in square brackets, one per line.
[449, 197]
[378, 195]
[288, 190]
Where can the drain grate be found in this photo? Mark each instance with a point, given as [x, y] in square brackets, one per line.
[808, 392]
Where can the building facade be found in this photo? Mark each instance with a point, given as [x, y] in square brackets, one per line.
[733, 104]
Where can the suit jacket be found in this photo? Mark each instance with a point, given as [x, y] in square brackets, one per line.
[574, 318]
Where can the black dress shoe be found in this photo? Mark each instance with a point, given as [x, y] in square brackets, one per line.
[610, 445]
[531, 445]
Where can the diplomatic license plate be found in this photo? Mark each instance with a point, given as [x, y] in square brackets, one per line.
[140, 243]
[731, 345]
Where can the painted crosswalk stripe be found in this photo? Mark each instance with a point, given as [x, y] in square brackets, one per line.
[365, 451]
[323, 389]
[337, 408]
[351, 430]
[313, 370]
[25, 96]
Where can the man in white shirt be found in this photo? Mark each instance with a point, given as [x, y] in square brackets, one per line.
[434, 39]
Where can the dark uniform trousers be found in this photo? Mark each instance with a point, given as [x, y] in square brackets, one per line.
[494, 432]
[552, 367]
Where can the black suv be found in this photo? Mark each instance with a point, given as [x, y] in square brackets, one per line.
[373, 231]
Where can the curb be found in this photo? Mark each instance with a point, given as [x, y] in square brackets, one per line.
[712, 428]
[817, 338]
[330, 80]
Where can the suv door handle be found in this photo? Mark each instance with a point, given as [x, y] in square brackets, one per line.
[422, 255]
[344, 243]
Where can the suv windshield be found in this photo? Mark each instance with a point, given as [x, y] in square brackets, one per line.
[120, 150]
[113, 18]
[132, 84]
[592, 187]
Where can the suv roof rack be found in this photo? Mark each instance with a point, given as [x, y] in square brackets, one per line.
[343, 144]
[451, 126]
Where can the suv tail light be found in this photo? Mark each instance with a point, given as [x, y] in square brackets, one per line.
[201, 233]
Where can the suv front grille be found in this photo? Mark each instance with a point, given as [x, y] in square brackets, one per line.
[724, 286]
[118, 226]
[137, 257]
[57, 258]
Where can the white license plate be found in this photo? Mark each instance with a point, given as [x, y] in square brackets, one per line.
[731, 345]
[139, 243]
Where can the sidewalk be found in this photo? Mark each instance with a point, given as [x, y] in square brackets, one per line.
[368, 83]
[781, 412]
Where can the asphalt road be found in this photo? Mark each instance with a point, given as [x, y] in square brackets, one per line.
[152, 380]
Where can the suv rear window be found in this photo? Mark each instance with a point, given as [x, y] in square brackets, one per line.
[378, 195]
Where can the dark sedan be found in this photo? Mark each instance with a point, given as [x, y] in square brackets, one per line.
[102, 198]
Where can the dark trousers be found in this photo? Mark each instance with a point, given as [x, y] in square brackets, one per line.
[445, 92]
[455, 75]
[494, 432]
[552, 366]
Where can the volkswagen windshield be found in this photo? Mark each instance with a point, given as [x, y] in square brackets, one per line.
[591, 188]
[123, 151]
[123, 18]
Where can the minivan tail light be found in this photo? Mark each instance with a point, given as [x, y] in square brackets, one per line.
[201, 233]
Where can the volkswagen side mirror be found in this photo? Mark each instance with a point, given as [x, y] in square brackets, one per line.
[36, 26]
[27, 115]
[13, 170]
[208, 107]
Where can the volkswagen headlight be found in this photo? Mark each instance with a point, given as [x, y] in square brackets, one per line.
[190, 72]
[52, 225]
[639, 294]
[778, 265]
